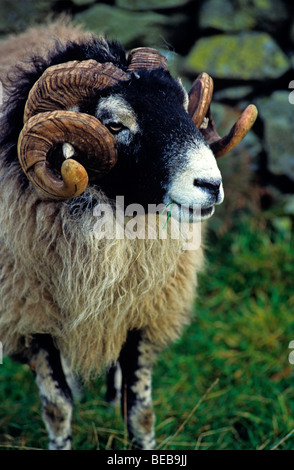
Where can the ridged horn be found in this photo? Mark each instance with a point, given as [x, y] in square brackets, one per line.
[64, 86]
[200, 97]
[145, 58]
[42, 133]
[223, 145]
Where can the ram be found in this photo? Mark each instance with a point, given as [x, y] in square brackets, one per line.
[82, 124]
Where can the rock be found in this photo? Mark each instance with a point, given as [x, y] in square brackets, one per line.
[283, 225]
[225, 16]
[16, 16]
[83, 2]
[233, 93]
[237, 15]
[277, 115]
[130, 28]
[289, 204]
[246, 56]
[271, 15]
[149, 4]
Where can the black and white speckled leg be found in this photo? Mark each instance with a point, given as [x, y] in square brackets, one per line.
[136, 360]
[113, 384]
[54, 391]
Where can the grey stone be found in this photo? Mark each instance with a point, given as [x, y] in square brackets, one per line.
[237, 15]
[17, 15]
[130, 28]
[244, 56]
[289, 204]
[270, 14]
[277, 114]
[225, 15]
[149, 4]
[83, 2]
[233, 93]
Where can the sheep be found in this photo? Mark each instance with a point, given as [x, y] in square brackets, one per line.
[73, 301]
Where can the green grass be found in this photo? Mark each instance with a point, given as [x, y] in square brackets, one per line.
[227, 384]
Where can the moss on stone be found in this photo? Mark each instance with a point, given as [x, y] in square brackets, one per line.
[277, 115]
[245, 56]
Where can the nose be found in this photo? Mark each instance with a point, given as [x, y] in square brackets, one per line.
[212, 187]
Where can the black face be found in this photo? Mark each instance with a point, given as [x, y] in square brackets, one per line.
[153, 130]
[162, 156]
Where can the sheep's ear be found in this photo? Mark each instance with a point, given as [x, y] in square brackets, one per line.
[200, 97]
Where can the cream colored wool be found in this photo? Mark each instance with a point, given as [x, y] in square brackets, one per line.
[36, 40]
[56, 277]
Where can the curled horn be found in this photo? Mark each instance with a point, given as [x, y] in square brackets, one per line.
[145, 58]
[45, 131]
[222, 146]
[200, 97]
[66, 85]
[49, 123]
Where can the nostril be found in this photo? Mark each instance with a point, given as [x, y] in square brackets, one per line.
[211, 187]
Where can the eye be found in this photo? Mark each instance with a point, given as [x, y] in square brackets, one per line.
[115, 127]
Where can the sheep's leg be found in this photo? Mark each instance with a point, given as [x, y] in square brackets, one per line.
[113, 383]
[136, 360]
[54, 391]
